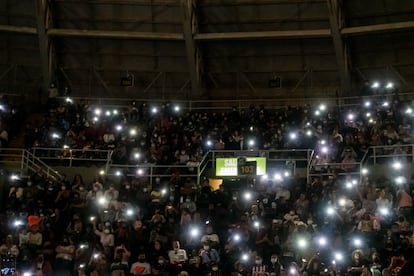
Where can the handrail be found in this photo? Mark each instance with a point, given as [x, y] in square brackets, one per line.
[227, 104]
[27, 161]
[70, 155]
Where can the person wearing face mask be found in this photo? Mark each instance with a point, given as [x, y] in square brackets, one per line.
[141, 267]
[210, 258]
[275, 267]
[65, 253]
[259, 269]
[160, 267]
[106, 238]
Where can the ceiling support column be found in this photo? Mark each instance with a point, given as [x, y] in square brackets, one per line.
[194, 57]
[45, 46]
[341, 50]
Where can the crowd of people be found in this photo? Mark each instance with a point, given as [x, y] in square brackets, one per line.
[334, 225]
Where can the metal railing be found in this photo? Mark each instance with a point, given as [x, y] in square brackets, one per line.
[26, 162]
[72, 157]
[276, 103]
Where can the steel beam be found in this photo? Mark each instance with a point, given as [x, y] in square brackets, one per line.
[320, 33]
[194, 61]
[44, 43]
[378, 28]
[291, 34]
[341, 50]
[115, 34]
[18, 29]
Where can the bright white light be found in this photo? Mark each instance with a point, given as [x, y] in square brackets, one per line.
[96, 256]
[137, 155]
[385, 104]
[65, 146]
[98, 112]
[317, 113]
[209, 143]
[384, 211]
[364, 171]
[342, 202]
[286, 174]
[256, 224]
[292, 270]
[389, 85]
[324, 149]
[118, 127]
[69, 100]
[140, 171]
[351, 116]
[371, 121]
[357, 242]
[118, 173]
[367, 104]
[409, 110]
[251, 128]
[14, 177]
[264, 177]
[309, 132]
[236, 237]
[95, 119]
[354, 182]
[101, 172]
[18, 223]
[322, 241]
[176, 108]
[368, 114]
[164, 191]
[400, 180]
[308, 124]
[27, 274]
[194, 232]
[375, 84]
[348, 185]
[247, 195]
[115, 112]
[322, 142]
[245, 257]
[293, 135]
[154, 110]
[130, 212]
[55, 135]
[322, 107]
[133, 132]
[81, 266]
[397, 165]
[302, 243]
[251, 142]
[101, 200]
[330, 211]
[108, 113]
[338, 256]
[278, 177]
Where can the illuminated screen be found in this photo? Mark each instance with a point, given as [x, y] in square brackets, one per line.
[228, 166]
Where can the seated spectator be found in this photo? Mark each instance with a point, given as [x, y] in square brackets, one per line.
[209, 257]
[178, 257]
[211, 238]
[9, 247]
[65, 255]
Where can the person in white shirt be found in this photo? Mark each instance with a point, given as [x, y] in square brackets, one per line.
[177, 256]
[210, 237]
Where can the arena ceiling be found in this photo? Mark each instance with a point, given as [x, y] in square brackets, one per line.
[205, 49]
